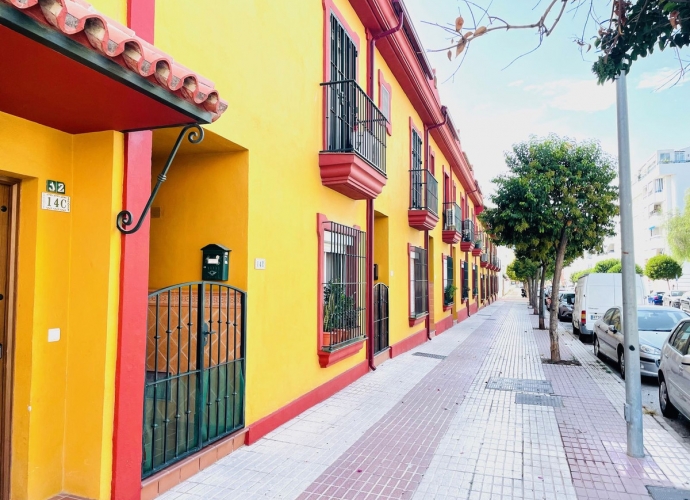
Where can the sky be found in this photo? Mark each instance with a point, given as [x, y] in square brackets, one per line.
[496, 104]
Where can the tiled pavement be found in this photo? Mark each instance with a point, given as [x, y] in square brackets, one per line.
[421, 427]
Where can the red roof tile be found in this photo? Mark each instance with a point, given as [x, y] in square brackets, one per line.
[83, 23]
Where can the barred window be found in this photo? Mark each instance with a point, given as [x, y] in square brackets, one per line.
[417, 179]
[419, 282]
[344, 285]
[465, 281]
[474, 280]
[448, 285]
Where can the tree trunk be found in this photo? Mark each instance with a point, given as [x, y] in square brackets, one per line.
[535, 301]
[553, 319]
[541, 297]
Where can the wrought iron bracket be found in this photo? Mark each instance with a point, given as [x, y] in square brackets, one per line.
[194, 134]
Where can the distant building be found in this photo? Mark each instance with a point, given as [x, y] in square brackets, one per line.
[658, 191]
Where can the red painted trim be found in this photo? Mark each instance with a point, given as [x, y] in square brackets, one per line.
[420, 319]
[263, 426]
[131, 348]
[474, 307]
[432, 161]
[462, 314]
[444, 324]
[422, 220]
[320, 222]
[350, 175]
[327, 359]
[141, 16]
[409, 343]
[387, 86]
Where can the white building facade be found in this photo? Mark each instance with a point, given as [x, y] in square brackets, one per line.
[659, 191]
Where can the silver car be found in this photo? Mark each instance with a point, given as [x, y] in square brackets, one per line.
[566, 301]
[654, 324]
[674, 373]
[672, 298]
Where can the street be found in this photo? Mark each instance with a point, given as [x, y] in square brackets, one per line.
[650, 394]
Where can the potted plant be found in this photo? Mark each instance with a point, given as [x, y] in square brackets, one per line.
[449, 294]
[339, 313]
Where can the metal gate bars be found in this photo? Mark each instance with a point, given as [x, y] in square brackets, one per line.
[195, 368]
[380, 317]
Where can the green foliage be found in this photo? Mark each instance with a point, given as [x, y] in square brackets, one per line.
[663, 267]
[618, 268]
[554, 186]
[643, 25]
[521, 269]
[678, 230]
[604, 265]
[579, 274]
[339, 309]
[449, 294]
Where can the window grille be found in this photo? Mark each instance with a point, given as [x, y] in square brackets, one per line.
[465, 281]
[448, 286]
[343, 53]
[475, 291]
[344, 285]
[419, 282]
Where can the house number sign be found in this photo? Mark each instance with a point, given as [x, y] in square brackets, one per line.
[55, 202]
[55, 187]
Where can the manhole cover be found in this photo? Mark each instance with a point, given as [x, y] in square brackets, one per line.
[538, 399]
[428, 355]
[520, 385]
[663, 493]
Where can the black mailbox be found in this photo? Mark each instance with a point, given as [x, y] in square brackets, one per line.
[215, 263]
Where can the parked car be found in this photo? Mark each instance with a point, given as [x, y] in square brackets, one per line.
[674, 373]
[565, 306]
[656, 298]
[654, 325]
[595, 294]
[672, 298]
[685, 302]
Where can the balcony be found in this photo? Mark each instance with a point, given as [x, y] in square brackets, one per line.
[423, 213]
[452, 223]
[478, 243]
[484, 260]
[467, 243]
[354, 161]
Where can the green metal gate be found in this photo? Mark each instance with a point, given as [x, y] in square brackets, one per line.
[195, 369]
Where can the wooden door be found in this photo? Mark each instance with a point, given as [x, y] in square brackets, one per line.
[7, 244]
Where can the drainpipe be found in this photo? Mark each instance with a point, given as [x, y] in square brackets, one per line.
[444, 110]
[370, 202]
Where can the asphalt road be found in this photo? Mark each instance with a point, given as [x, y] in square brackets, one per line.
[650, 397]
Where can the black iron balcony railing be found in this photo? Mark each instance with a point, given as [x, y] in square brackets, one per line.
[484, 258]
[478, 239]
[354, 124]
[423, 191]
[452, 218]
[468, 230]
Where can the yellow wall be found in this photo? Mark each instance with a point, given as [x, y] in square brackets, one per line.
[275, 112]
[68, 278]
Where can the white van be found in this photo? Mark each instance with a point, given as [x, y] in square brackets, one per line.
[595, 294]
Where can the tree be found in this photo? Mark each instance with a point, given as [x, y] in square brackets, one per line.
[556, 202]
[629, 31]
[663, 267]
[579, 274]
[678, 230]
[618, 268]
[604, 265]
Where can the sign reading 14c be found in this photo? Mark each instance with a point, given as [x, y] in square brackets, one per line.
[55, 202]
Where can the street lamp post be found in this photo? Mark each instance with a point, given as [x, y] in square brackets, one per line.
[631, 341]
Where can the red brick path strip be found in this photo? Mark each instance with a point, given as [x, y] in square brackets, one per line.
[594, 436]
[390, 459]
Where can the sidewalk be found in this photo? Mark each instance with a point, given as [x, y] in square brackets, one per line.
[442, 422]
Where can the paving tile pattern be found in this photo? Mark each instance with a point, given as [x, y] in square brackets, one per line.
[288, 460]
[495, 449]
[390, 460]
[667, 449]
[594, 436]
